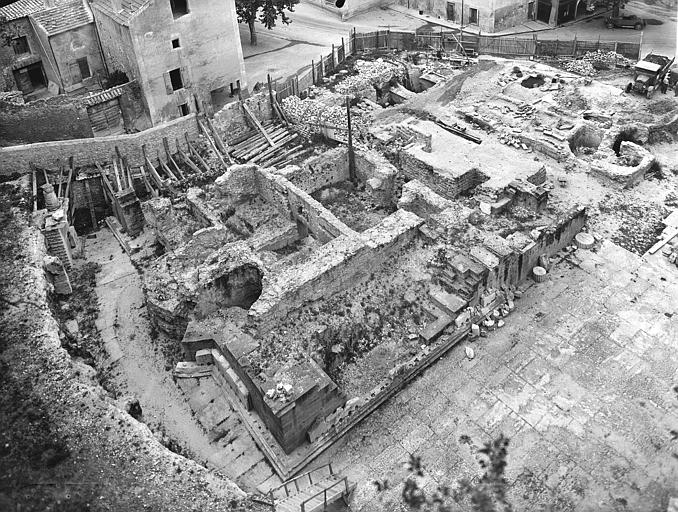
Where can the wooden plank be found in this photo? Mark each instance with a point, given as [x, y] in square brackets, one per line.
[167, 170]
[218, 140]
[257, 124]
[196, 155]
[266, 154]
[90, 203]
[187, 160]
[214, 147]
[147, 183]
[111, 223]
[171, 160]
[117, 175]
[668, 235]
[264, 145]
[70, 177]
[34, 180]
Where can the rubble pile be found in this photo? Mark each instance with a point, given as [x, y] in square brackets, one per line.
[371, 74]
[600, 59]
[591, 62]
[581, 67]
[311, 115]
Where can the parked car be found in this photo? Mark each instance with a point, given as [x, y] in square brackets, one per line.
[625, 21]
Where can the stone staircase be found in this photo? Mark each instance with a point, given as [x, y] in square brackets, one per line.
[314, 491]
[463, 277]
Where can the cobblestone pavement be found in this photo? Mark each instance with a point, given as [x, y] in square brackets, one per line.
[580, 381]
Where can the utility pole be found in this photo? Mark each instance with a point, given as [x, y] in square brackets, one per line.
[351, 154]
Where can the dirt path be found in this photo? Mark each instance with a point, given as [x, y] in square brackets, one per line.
[137, 366]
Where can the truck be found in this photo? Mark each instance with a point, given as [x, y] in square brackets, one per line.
[649, 73]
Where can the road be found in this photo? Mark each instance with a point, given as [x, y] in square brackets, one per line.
[287, 48]
[659, 35]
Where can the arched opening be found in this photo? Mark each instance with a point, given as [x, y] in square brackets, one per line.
[628, 134]
[240, 288]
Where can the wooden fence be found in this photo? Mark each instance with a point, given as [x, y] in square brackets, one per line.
[445, 40]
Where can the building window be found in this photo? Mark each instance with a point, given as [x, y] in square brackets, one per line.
[175, 79]
[20, 45]
[179, 8]
[473, 16]
[183, 109]
[84, 68]
[451, 15]
[175, 43]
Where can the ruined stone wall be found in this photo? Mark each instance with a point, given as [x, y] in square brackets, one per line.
[443, 184]
[334, 267]
[329, 168]
[56, 118]
[552, 239]
[231, 121]
[87, 151]
[293, 202]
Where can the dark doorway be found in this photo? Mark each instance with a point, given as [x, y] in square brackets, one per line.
[30, 78]
[473, 16]
[450, 11]
[544, 10]
[530, 10]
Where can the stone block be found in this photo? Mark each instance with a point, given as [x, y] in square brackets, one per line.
[203, 357]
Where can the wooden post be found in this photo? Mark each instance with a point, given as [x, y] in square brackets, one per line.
[351, 154]
[117, 176]
[146, 182]
[270, 92]
[343, 50]
[322, 68]
[313, 70]
[70, 176]
[34, 179]
[355, 46]
[332, 55]
[640, 46]
[90, 203]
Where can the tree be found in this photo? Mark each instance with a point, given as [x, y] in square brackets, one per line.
[487, 494]
[267, 12]
[7, 56]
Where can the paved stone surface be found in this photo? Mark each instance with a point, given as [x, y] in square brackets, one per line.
[580, 380]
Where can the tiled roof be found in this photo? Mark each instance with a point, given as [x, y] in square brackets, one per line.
[128, 9]
[21, 9]
[64, 17]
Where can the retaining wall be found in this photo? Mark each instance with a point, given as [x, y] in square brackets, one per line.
[100, 149]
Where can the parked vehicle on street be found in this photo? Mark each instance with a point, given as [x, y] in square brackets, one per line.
[625, 21]
[649, 73]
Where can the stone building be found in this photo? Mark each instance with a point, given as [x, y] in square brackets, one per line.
[183, 53]
[54, 48]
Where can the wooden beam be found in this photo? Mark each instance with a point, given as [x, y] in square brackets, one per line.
[111, 223]
[151, 170]
[187, 160]
[167, 170]
[196, 155]
[257, 124]
[70, 177]
[171, 160]
[218, 140]
[117, 175]
[147, 184]
[34, 179]
[90, 203]
[212, 144]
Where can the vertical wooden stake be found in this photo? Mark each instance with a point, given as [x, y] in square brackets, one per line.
[351, 155]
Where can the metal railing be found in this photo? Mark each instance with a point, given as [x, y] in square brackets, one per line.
[308, 475]
[324, 493]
